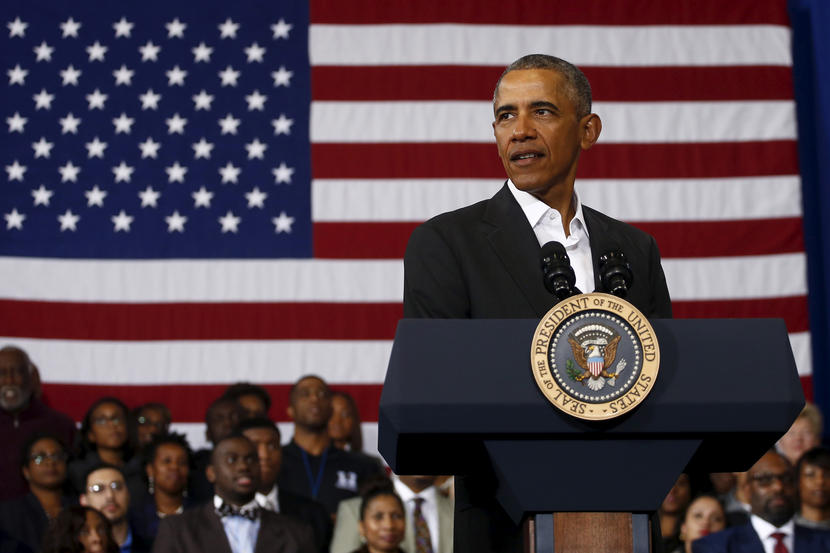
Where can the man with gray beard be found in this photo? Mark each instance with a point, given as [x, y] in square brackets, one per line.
[21, 415]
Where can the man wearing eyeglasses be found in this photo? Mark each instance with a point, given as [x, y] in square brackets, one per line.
[106, 491]
[21, 415]
[233, 522]
[771, 528]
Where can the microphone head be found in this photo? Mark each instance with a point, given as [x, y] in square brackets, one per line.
[615, 273]
[557, 273]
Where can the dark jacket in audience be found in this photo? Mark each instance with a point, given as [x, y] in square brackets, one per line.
[15, 429]
[25, 520]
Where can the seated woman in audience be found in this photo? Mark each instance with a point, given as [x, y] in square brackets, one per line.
[151, 420]
[704, 516]
[813, 472]
[382, 521]
[168, 468]
[344, 424]
[671, 511]
[80, 530]
[43, 463]
[106, 438]
[804, 434]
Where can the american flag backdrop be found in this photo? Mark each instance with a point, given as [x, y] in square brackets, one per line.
[201, 193]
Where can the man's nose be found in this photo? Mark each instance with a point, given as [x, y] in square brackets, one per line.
[523, 128]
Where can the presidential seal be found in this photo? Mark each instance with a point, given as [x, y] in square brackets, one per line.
[595, 356]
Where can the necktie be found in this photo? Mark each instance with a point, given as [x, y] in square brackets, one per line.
[779, 543]
[228, 510]
[423, 542]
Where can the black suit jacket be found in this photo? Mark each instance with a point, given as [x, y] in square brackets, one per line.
[744, 539]
[310, 512]
[200, 530]
[483, 261]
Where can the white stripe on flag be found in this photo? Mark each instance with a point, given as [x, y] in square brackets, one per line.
[343, 281]
[623, 122]
[356, 200]
[498, 45]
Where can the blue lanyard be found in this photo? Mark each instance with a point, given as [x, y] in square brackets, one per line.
[314, 483]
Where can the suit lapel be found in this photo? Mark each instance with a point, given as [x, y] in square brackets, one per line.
[747, 539]
[271, 538]
[517, 248]
[445, 523]
[600, 239]
[214, 532]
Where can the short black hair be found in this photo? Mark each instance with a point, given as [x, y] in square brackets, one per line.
[578, 85]
[221, 400]
[258, 422]
[302, 378]
[159, 440]
[379, 490]
[29, 444]
[235, 435]
[235, 391]
[818, 456]
[165, 411]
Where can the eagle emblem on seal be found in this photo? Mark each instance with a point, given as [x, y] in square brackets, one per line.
[594, 348]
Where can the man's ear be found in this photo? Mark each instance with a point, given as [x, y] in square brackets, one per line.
[82, 500]
[210, 474]
[26, 473]
[290, 411]
[591, 129]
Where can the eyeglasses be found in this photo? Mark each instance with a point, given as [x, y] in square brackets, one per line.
[766, 480]
[103, 421]
[40, 458]
[144, 421]
[115, 486]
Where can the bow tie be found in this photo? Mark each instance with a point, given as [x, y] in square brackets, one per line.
[228, 510]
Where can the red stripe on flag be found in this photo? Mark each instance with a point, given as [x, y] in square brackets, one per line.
[387, 240]
[793, 310]
[608, 84]
[200, 321]
[727, 238]
[426, 160]
[188, 402]
[546, 12]
[234, 321]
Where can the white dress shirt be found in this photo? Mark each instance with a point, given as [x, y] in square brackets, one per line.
[241, 532]
[429, 508]
[269, 501]
[765, 530]
[547, 225]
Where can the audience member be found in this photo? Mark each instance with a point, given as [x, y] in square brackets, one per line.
[167, 469]
[312, 466]
[771, 526]
[221, 419]
[813, 473]
[151, 420]
[80, 530]
[671, 511]
[429, 517]
[21, 415]
[106, 490]
[382, 523]
[703, 516]
[265, 436]
[233, 521]
[254, 400]
[106, 439]
[43, 464]
[344, 424]
[10, 545]
[804, 434]
[736, 503]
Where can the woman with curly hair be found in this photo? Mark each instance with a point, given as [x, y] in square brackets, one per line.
[79, 530]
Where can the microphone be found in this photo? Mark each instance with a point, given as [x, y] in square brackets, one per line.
[557, 273]
[615, 273]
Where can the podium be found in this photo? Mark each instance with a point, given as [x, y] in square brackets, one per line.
[459, 397]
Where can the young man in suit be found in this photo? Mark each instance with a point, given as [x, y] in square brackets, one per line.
[771, 528]
[483, 261]
[265, 436]
[233, 522]
[106, 490]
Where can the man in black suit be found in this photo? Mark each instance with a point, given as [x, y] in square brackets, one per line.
[265, 436]
[483, 261]
[771, 526]
[233, 522]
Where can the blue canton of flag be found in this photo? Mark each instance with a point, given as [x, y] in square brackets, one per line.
[156, 129]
